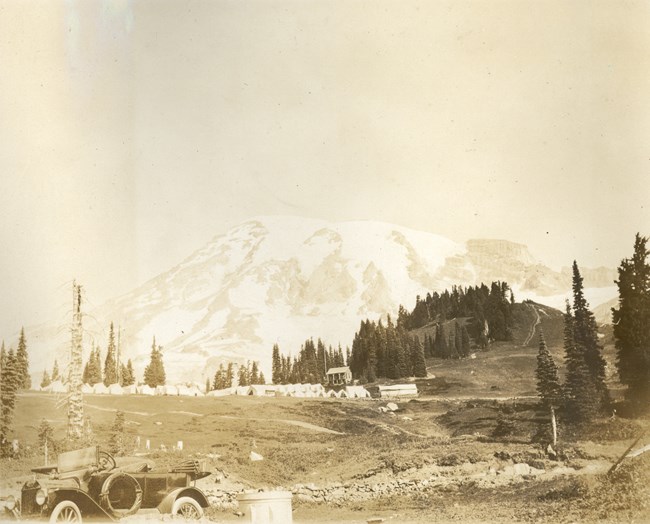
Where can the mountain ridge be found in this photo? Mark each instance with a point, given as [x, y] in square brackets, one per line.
[284, 279]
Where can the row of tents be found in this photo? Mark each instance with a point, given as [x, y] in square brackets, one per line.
[293, 390]
[257, 390]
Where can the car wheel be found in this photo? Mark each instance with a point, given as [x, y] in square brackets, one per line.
[188, 508]
[66, 511]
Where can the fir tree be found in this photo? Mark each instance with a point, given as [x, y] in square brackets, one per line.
[230, 375]
[46, 380]
[9, 384]
[154, 373]
[586, 338]
[632, 323]
[55, 371]
[262, 379]
[219, 381]
[129, 378]
[579, 391]
[116, 441]
[548, 383]
[253, 374]
[242, 375]
[417, 358]
[46, 437]
[22, 362]
[276, 365]
[110, 370]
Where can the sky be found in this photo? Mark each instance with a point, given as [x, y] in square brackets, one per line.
[133, 132]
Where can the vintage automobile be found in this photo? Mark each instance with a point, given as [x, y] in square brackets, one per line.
[88, 484]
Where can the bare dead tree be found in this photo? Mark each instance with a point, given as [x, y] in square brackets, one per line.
[75, 394]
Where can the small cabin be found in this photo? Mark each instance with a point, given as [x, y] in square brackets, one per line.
[339, 376]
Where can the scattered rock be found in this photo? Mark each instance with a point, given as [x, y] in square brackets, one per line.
[392, 406]
[255, 457]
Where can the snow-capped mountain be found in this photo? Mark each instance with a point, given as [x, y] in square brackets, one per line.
[284, 279]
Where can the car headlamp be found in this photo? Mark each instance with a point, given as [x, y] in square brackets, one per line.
[41, 497]
[10, 503]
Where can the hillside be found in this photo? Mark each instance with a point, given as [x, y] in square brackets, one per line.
[284, 279]
[507, 369]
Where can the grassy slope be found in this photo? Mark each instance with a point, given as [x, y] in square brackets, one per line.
[507, 369]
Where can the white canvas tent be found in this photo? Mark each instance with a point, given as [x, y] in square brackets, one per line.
[145, 390]
[115, 389]
[221, 392]
[130, 390]
[100, 389]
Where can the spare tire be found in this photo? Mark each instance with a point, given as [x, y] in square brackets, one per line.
[121, 495]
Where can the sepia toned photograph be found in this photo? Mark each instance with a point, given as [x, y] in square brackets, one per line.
[325, 261]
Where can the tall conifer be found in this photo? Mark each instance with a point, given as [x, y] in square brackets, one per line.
[632, 323]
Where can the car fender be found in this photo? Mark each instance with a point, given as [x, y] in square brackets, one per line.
[86, 504]
[166, 505]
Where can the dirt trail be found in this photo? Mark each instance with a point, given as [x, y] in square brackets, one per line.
[531, 334]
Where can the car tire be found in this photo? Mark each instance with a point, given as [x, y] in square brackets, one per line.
[66, 511]
[187, 508]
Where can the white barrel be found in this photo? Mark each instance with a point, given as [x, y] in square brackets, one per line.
[266, 507]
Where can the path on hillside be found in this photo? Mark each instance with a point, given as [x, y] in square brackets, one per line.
[531, 334]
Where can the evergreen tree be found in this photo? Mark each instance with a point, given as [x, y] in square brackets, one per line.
[586, 338]
[110, 371]
[219, 381]
[632, 323]
[129, 379]
[46, 381]
[9, 384]
[46, 436]
[154, 373]
[116, 441]
[253, 375]
[548, 383]
[276, 365]
[417, 358]
[22, 362]
[242, 375]
[230, 375]
[55, 371]
[207, 385]
[262, 379]
[579, 391]
[3, 356]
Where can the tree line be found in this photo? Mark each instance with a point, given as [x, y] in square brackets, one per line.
[489, 310]
[247, 375]
[309, 366]
[14, 376]
[584, 394]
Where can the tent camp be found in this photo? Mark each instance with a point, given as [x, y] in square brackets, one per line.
[100, 389]
[145, 390]
[167, 390]
[115, 389]
[221, 392]
[130, 390]
[262, 390]
[357, 392]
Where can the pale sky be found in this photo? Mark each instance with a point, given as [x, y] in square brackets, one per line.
[132, 132]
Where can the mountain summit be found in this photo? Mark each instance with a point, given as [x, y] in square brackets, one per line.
[284, 279]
